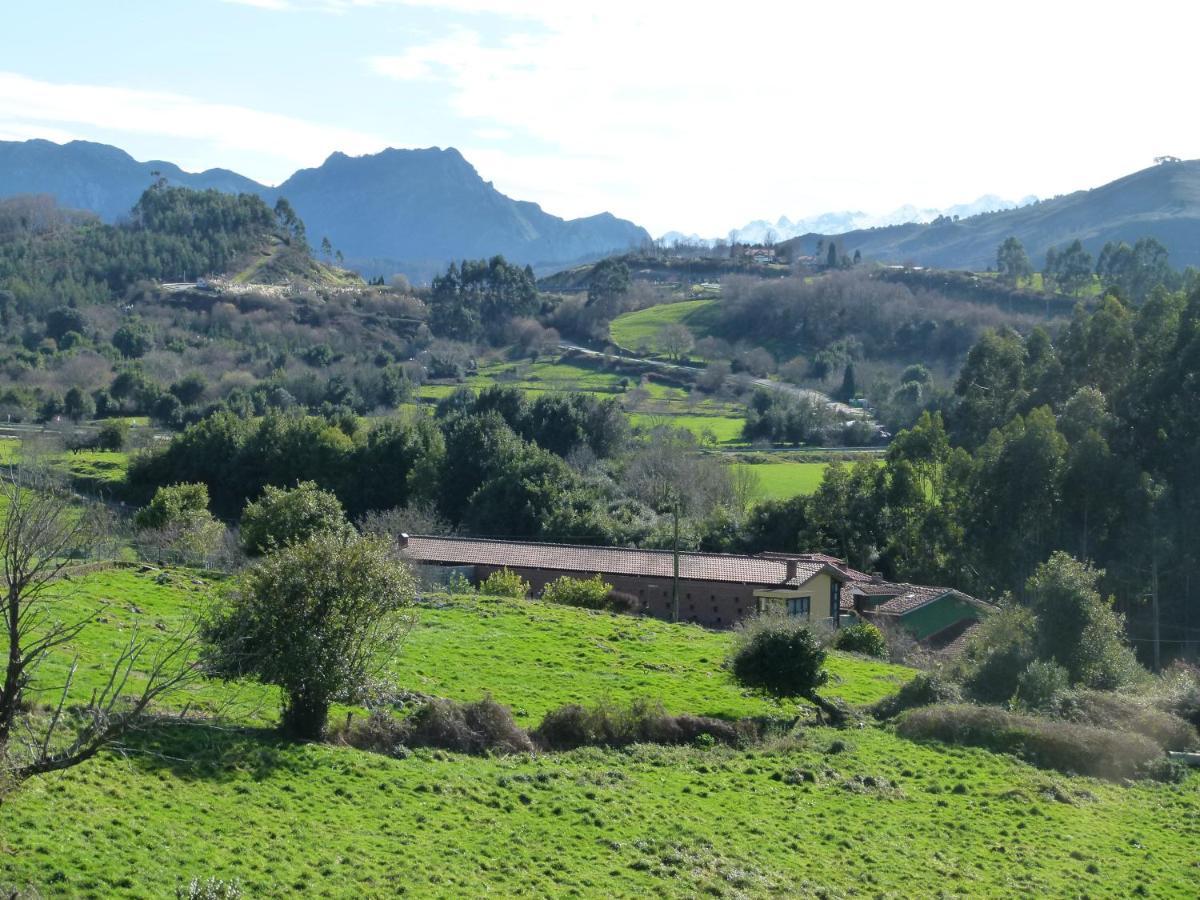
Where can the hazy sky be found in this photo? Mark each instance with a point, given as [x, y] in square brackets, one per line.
[679, 115]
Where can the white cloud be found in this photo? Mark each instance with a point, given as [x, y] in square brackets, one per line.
[712, 115]
[46, 109]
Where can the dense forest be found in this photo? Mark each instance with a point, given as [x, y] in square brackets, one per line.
[1085, 441]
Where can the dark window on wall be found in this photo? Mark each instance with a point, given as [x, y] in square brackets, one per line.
[798, 606]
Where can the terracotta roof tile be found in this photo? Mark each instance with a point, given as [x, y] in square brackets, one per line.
[611, 560]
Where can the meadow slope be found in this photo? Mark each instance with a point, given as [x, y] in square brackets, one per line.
[827, 813]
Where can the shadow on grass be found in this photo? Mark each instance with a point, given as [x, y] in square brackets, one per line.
[214, 752]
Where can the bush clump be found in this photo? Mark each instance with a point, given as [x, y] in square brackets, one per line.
[505, 583]
[1066, 746]
[862, 638]
[1123, 712]
[476, 728]
[1179, 692]
[1041, 686]
[643, 722]
[483, 726]
[587, 593]
[782, 658]
[925, 689]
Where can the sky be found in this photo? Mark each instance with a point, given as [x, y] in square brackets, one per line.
[693, 116]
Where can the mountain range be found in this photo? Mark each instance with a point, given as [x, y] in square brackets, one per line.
[1162, 201]
[413, 211]
[409, 211]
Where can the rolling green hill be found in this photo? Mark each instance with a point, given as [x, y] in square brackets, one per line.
[1162, 201]
[823, 813]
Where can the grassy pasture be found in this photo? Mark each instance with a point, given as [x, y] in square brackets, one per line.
[640, 328]
[826, 813]
[785, 479]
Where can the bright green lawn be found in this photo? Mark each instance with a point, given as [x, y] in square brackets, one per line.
[536, 657]
[858, 812]
[725, 429]
[464, 646]
[785, 479]
[637, 329]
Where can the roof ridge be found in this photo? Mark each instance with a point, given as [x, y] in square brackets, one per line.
[706, 554]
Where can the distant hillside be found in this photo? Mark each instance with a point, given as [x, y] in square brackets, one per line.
[1162, 201]
[97, 177]
[408, 211]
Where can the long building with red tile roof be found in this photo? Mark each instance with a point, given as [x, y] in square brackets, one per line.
[714, 589]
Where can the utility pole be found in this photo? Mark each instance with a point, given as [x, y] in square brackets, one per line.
[1154, 609]
[675, 563]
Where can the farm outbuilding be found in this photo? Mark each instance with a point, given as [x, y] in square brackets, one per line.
[715, 589]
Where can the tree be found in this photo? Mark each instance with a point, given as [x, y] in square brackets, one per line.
[782, 658]
[607, 286]
[77, 404]
[831, 257]
[849, 388]
[1076, 627]
[669, 476]
[43, 531]
[177, 519]
[132, 339]
[1071, 268]
[676, 340]
[1012, 262]
[113, 435]
[281, 517]
[319, 618]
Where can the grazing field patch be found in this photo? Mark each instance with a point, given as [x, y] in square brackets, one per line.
[640, 329]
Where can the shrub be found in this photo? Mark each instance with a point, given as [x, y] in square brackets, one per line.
[1122, 712]
[622, 602]
[781, 657]
[113, 435]
[1178, 692]
[1066, 746]
[925, 689]
[474, 728]
[862, 638]
[505, 583]
[644, 721]
[380, 732]
[1040, 686]
[588, 593]
[1077, 627]
[997, 652]
[280, 517]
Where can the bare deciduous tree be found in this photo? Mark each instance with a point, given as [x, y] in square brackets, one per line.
[42, 532]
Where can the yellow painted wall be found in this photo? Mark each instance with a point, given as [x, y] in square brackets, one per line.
[817, 588]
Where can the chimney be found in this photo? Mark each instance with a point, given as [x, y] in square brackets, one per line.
[791, 569]
[402, 540]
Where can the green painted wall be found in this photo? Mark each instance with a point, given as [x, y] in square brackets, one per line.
[941, 613]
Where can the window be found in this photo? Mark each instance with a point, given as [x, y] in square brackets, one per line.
[798, 606]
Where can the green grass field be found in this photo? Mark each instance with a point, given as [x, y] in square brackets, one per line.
[640, 329]
[90, 468]
[723, 429]
[662, 404]
[858, 812]
[778, 481]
